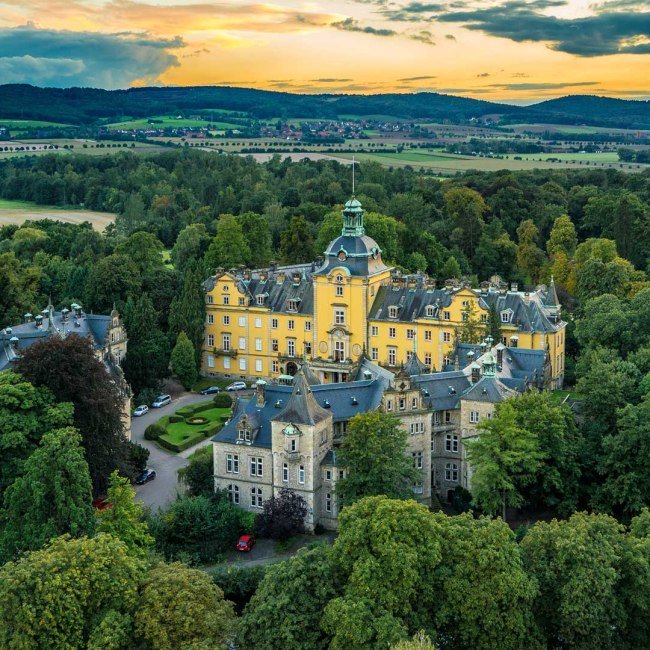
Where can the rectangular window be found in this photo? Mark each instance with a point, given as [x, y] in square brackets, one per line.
[339, 350]
[307, 348]
[427, 335]
[210, 299]
[210, 319]
[258, 322]
[418, 488]
[417, 459]
[226, 320]
[292, 305]
[410, 334]
[258, 345]
[210, 360]
[307, 326]
[275, 367]
[446, 337]
[233, 494]
[242, 342]
[392, 356]
[451, 472]
[232, 463]
[447, 417]
[402, 403]
[274, 345]
[328, 474]
[226, 363]
[374, 354]
[328, 502]
[484, 318]
[225, 342]
[256, 497]
[226, 300]
[474, 417]
[389, 405]
[427, 359]
[291, 347]
[341, 474]
[339, 316]
[292, 324]
[417, 427]
[285, 473]
[210, 340]
[242, 363]
[391, 333]
[256, 466]
[241, 301]
[242, 321]
[451, 442]
[258, 365]
[446, 315]
[339, 291]
[274, 323]
[374, 331]
[293, 445]
[301, 474]
[414, 403]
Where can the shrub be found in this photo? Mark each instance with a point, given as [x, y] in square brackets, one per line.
[185, 412]
[222, 400]
[283, 516]
[199, 408]
[154, 431]
[225, 418]
[138, 455]
[175, 418]
[238, 583]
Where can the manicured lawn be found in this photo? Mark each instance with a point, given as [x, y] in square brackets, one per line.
[206, 382]
[181, 435]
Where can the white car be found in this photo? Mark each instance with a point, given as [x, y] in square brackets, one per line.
[140, 410]
[236, 385]
[162, 400]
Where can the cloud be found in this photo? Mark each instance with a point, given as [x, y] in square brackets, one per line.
[414, 11]
[420, 78]
[543, 86]
[330, 80]
[424, 36]
[66, 58]
[450, 37]
[483, 74]
[352, 25]
[604, 33]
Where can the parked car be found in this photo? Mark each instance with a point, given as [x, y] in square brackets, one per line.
[210, 390]
[162, 400]
[140, 410]
[246, 543]
[236, 385]
[146, 476]
[101, 504]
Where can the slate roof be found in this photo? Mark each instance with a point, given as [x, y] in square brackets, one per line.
[301, 407]
[442, 390]
[411, 302]
[94, 326]
[363, 256]
[528, 313]
[366, 369]
[487, 389]
[367, 395]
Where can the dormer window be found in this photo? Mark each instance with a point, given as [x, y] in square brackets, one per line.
[260, 300]
[292, 305]
[392, 312]
[244, 435]
[430, 311]
[339, 279]
[506, 316]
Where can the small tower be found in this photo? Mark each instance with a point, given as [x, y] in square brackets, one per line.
[353, 219]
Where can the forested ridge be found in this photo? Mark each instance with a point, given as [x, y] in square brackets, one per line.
[88, 105]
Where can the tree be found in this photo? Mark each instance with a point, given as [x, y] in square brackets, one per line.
[384, 548]
[282, 516]
[258, 237]
[373, 452]
[190, 247]
[181, 607]
[70, 369]
[133, 215]
[147, 357]
[465, 208]
[579, 566]
[144, 249]
[563, 237]
[187, 312]
[451, 269]
[604, 323]
[198, 475]
[53, 496]
[297, 242]
[295, 591]
[183, 361]
[123, 519]
[494, 324]
[228, 248]
[26, 414]
[420, 641]
[484, 594]
[111, 281]
[19, 287]
[67, 593]
[503, 458]
[472, 330]
[530, 258]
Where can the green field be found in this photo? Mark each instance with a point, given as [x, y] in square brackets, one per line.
[17, 212]
[12, 124]
[566, 128]
[167, 121]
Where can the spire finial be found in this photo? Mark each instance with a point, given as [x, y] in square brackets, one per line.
[353, 166]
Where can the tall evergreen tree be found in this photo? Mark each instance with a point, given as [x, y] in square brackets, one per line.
[297, 242]
[183, 361]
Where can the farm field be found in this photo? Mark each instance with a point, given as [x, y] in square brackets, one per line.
[17, 212]
[29, 147]
[164, 122]
[13, 124]
[568, 128]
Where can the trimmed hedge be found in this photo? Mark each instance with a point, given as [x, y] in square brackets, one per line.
[175, 418]
[187, 443]
[202, 407]
[222, 400]
[154, 431]
[185, 411]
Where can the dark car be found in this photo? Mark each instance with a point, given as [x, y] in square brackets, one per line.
[210, 390]
[245, 543]
[146, 476]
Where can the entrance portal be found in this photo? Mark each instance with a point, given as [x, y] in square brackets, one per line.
[292, 368]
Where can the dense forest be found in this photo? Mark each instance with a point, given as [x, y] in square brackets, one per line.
[88, 105]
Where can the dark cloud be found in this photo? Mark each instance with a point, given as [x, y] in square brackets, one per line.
[607, 32]
[450, 37]
[473, 91]
[421, 78]
[483, 74]
[543, 86]
[352, 25]
[330, 80]
[61, 59]
[414, 11]
[424, 36]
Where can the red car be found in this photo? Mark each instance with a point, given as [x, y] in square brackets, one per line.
[245, 543]
[101, 504]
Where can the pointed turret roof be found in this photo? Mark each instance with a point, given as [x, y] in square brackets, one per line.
[414, 366]
[301, 406]
[550, 298]
[310, 375]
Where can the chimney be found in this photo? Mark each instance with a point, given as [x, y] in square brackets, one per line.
[503, 288]
[13, 341]
[39, 321]
[280, 277]
[295, 277]
[500, 349]
[264, 276]
[247, 275]
[514, 287]
[527, 297]
[476, 372]
[260, 398]
[64, 314]
[28, 317]
[273, 265]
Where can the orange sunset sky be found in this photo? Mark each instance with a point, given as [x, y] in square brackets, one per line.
[517, 50]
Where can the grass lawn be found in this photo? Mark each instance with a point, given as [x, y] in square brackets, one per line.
[206, 382]
[167, 121]
[12, 124]
[181, 435]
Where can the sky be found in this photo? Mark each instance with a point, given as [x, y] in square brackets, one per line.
[517, 51]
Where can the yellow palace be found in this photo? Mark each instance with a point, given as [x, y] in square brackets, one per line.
[262, 323]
